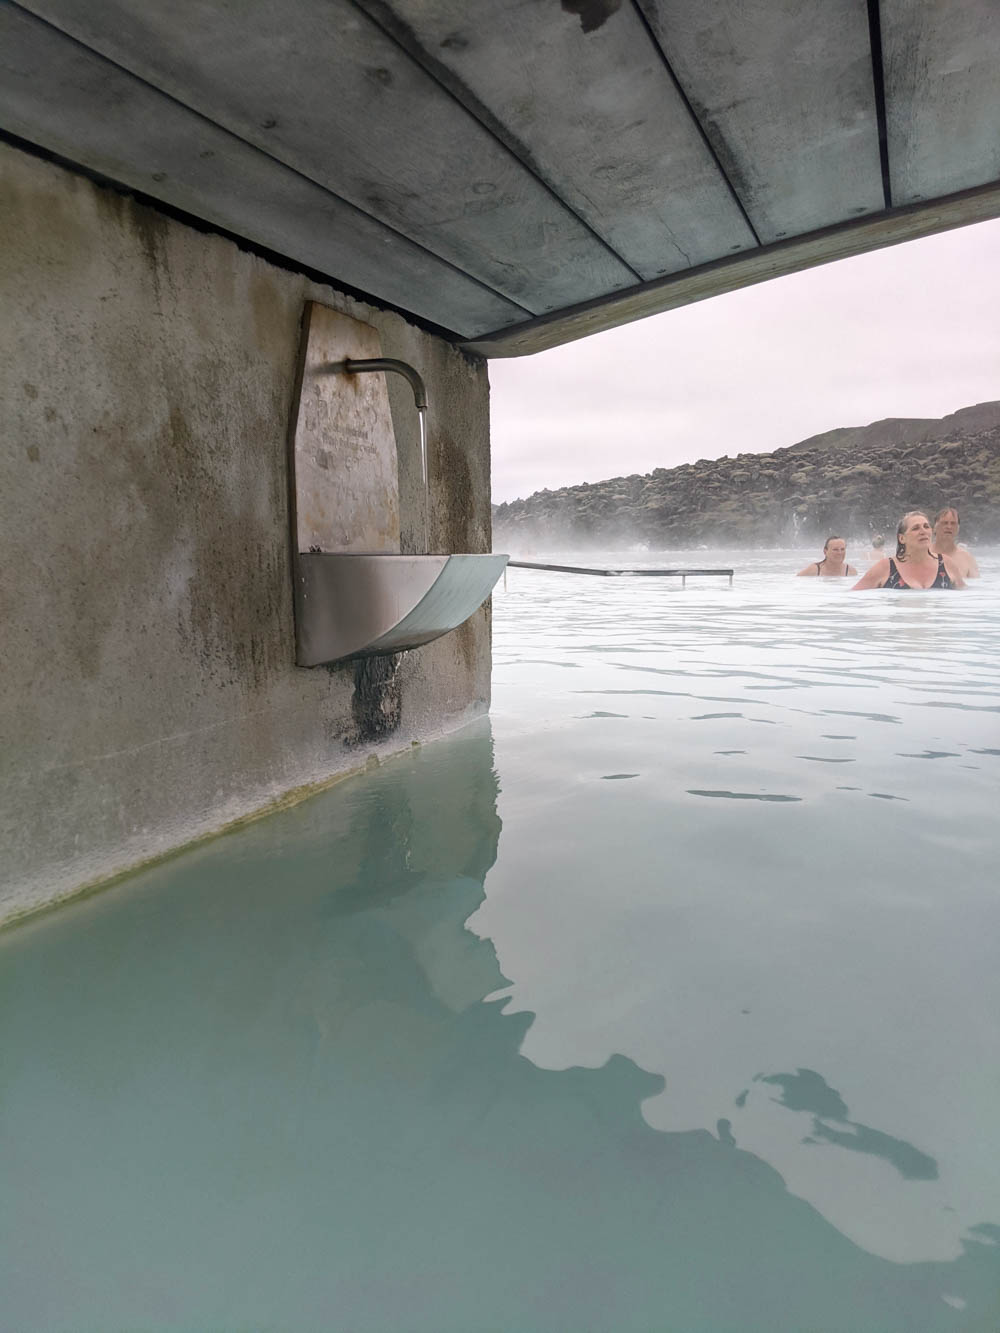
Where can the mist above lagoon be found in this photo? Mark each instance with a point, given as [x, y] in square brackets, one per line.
[854, 481]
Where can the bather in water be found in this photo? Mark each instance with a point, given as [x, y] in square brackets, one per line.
[834, 563]
[915, 564]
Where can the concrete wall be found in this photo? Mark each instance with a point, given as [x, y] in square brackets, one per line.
[148, 692]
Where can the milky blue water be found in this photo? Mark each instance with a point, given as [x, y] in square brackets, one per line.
[666, 1000]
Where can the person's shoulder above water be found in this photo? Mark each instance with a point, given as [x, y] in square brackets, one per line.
[946, 528]
[956, 571]
[915, 565]
[876, 576]
[965, 561]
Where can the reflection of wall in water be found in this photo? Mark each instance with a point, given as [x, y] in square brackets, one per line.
[326, 1089]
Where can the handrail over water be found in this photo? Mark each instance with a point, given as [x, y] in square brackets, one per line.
[681, 574]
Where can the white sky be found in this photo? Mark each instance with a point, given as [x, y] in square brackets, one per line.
[911, 331]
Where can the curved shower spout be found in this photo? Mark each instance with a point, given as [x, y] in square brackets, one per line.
[350, 367]
[413, 376]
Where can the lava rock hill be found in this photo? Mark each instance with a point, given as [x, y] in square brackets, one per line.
[853, 481]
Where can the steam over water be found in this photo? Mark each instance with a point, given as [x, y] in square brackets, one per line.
[667, 1000]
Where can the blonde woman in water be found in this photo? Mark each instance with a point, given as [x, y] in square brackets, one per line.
[834, 563]
[915, 564]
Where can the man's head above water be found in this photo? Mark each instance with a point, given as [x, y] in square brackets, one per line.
[946, 525]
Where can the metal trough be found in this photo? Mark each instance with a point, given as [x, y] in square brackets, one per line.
[363, 605]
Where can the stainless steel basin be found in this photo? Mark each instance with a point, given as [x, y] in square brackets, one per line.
[363, 605]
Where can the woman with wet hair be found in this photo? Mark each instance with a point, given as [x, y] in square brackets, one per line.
[915, 565]
[834, 563]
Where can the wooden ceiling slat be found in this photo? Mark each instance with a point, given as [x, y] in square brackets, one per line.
[319, 86]
[942, 83]
[56, 93]
[597, 115]
[784, 92]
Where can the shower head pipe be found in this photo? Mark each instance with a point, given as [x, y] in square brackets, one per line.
[349, 367]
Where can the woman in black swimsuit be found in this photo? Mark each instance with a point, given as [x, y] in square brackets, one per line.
[915, 564]
[834, 563]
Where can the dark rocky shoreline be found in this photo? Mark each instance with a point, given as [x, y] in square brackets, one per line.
[853, 481]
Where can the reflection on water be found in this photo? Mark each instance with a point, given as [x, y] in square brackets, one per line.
[278, 1083]
[743, 795]
[741, 909]
[808, 1091]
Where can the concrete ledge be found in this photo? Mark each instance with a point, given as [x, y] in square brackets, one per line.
[60, 888]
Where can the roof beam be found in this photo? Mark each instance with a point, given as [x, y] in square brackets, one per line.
[878, 88]
[743, 270]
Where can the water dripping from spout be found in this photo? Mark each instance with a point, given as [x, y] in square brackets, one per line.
[422, 417]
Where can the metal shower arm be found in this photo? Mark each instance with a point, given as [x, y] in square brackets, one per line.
[349, 367]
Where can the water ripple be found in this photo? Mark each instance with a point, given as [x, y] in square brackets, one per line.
[929, 754]
[825, 759]
[742, 795]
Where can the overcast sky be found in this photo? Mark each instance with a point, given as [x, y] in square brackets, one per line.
[911, 331]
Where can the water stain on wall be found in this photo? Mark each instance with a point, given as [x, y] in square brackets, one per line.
[377, 703]
[458, 525]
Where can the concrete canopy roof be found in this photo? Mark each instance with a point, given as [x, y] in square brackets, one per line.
[523, 172]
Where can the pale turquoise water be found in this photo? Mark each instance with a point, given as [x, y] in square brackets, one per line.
[648, 1057]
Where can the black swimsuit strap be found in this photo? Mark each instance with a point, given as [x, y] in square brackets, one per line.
[943, 579]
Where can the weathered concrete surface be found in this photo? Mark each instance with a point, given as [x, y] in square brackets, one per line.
[148, 693]
[345, 481]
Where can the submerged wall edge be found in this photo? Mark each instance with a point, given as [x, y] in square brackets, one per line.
[61, 889]
[148, 691]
